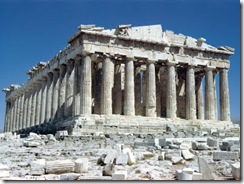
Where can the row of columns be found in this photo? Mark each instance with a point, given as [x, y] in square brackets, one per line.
[75, 87]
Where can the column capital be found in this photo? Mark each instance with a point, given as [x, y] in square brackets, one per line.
[210, 68]
[151, 61]
[171, 63]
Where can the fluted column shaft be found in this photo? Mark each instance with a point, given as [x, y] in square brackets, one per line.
[129, 98]
[18, 113]
[29, 108]
[33, 104]
[6, 122]
[43, 99]
[15, 114]
[55, 94]
[49, 94]
[69, 89]
[12, 116]
[209, 95]
[171, 102]
[151, 91]
[224, 96]
[215, 96]
[86, 86]
[21, 111]
[199, 98]
[38, 103]
[76, 89]
[107, 84]
[190, 93]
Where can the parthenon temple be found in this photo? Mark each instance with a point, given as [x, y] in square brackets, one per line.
[124, 76]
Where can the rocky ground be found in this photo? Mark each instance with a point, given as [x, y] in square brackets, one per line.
[118, 157]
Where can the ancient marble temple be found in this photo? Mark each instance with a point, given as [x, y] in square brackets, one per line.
[130, 72]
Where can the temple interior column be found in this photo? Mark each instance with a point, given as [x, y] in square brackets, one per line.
[151, 90]
[117, 90]
[199, 97]
[138, 93]
[209, 94]
[129, 93]
[48, 113]
[98, 87]
[144, 89]
[190, 93]
[76, 88]
[55, 95]
[86, 86]
[171, 102]
[107, 85]
[181, 92]
[62, 90]
[69, 89]
[224, 96]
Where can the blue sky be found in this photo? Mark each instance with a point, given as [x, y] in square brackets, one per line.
[33, 31]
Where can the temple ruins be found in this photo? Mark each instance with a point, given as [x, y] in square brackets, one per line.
[127, 79]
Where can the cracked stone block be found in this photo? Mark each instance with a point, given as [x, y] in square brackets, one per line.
[38, 167]
[236, 170]
[81, 165]
[119, 175]
[225, 155]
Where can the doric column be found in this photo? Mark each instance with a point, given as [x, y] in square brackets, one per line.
[33, 104]
[107, 85]
[55, 93]
[76, 88]
[98, 88]
[117, 90]
[224, 95]
[190, 93]
[29, 109]
[48, 113]
[129, 98]
[138, 93]
[158, 92]
[171, 102]
[43, 99]
[18, 113]
[38, 103]
[209, 94]
[215, 96]
[21, 110]
[62, 90]
[6, 122]
[15, 114]
[199, 98]
[69, 88]
[12, 116]
[151, 90]
[85, 86]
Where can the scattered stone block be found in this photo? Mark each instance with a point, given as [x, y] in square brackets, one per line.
[51, 137]
[95, 178]
[59, 166]
[188, 170]
[31, 143]
[4, 171]
[34, 136]
[108, 169]
[81, 165]
[119, 175]
[61, 134]
[161, 156]
[162, 142]
[51, 177]
[187, 155]
[121, 159]
[119, 147]
[110, 157]
[204, 169]
[176, 160]
[236, 170]
[212, 142]
[196, 176]
[181, 175]
[131, 158]
[69, 176]
[225, 155]
[38, 167]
